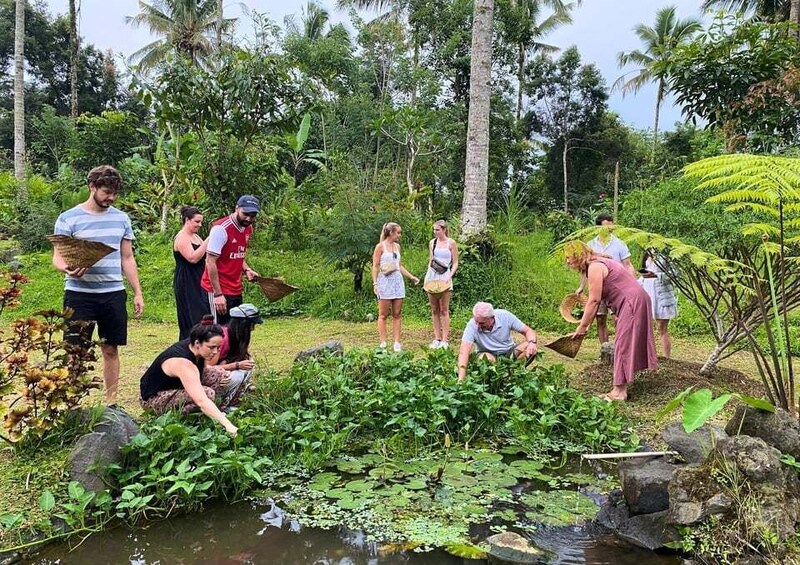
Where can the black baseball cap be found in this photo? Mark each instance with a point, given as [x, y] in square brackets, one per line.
[249, 204]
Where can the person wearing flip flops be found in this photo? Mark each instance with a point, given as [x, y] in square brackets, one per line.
[97, 294]
[610, 281]
[489, 332]
[442, 265]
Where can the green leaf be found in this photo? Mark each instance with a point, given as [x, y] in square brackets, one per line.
[758, 403]
[699, 407]
[674, 403]
[465, 551]
[47, 501]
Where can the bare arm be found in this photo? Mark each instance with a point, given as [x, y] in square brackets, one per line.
[532, 339]
[376, 265]
[183, 245]
[220, 304]
[132, 274]
[403, 270]
[596, 277]
[61, 265]
[190, 379]
[628, 265]
[454, 262]
[463, 359]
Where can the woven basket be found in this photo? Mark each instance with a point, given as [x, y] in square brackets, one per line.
[567, 345]
[570, 301]
[436, 287]
[79, 253]
[274, 288]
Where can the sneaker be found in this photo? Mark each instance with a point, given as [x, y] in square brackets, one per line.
[382, 345]
[444, 344]
[435, 344]
[397, 347]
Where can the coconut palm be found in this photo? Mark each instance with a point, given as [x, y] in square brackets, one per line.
[476, 175]
[314, 20]
[773, 10]
[185, 27]
[73, 59]
[19, 91]
[527, 31]
[660, 42]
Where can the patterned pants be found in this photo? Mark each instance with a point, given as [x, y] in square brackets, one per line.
[225, 395]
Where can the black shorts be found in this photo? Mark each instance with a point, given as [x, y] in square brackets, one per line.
[107, 310]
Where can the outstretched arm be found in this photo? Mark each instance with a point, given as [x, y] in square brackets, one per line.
[189, 375]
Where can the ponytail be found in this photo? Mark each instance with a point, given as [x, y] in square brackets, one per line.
[388, 229]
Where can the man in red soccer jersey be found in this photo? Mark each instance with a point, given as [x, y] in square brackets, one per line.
[225, 258]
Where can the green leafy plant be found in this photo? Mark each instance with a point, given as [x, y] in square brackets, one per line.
[699, 406]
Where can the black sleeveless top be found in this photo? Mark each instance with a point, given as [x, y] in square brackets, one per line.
[155, 380]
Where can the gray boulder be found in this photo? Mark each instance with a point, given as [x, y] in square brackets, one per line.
[100, 447]
[614, 511]
[645, 485]
[779, 430]
[332, 347]
[509, 547]
[689, 489]
[649, 531]
[758, 461]
[696, 446]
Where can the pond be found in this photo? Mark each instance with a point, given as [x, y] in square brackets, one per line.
[259, 533]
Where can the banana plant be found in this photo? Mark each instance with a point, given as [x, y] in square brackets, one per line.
[299, 154]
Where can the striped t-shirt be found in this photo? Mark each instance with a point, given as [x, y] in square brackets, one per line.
[110, 227]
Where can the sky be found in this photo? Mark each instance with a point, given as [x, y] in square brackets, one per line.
[600, 30]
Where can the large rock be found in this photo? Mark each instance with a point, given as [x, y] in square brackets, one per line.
[509, 547]
[645, 484]
[779, 430]
[696, 446]
[614, 512]
[689, 489]
[758, 461]
[332, 347]
[102, 446]
[649, 531]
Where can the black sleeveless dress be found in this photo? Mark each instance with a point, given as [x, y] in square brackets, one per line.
[190, 298]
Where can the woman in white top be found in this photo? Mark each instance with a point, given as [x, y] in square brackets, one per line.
[442, 265]
[656, 282]
[387, 282]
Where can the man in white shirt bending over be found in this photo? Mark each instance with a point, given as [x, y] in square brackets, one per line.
[610, 245]
[489, 331]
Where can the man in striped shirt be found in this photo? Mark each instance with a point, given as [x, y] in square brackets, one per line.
[97, 294]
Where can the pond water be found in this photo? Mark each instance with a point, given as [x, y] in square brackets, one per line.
[259, 533]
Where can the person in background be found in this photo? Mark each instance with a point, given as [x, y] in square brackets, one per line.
[178, 378]
[442, 265]
[609, 245]
[225, 258]
[489, 331]
[388, 284]
[189, 251]
[663, 298]
[234, 355]
[610, 281]
[97, 294]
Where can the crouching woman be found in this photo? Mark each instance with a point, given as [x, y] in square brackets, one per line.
[177, 377]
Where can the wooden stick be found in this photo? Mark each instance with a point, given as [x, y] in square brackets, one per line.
[627, 455]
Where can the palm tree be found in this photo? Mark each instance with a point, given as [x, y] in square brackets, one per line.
[185, 26]
[476, 175]
[73, 60]
[660, 43]
[19, 91]
[314, 19]
[773, 10]
[527, 32]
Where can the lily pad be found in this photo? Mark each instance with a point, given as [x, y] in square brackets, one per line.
[416, 484]
[465, 551]
[525, 468]
[338, 493]
[349, 466]
[351, 503]
[559, 507]
[359, 486]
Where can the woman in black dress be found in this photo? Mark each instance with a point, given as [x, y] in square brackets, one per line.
[189, 251]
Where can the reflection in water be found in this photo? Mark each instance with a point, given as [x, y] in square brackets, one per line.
[257, 534]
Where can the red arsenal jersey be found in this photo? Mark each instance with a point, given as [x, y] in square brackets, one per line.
[228, 241]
